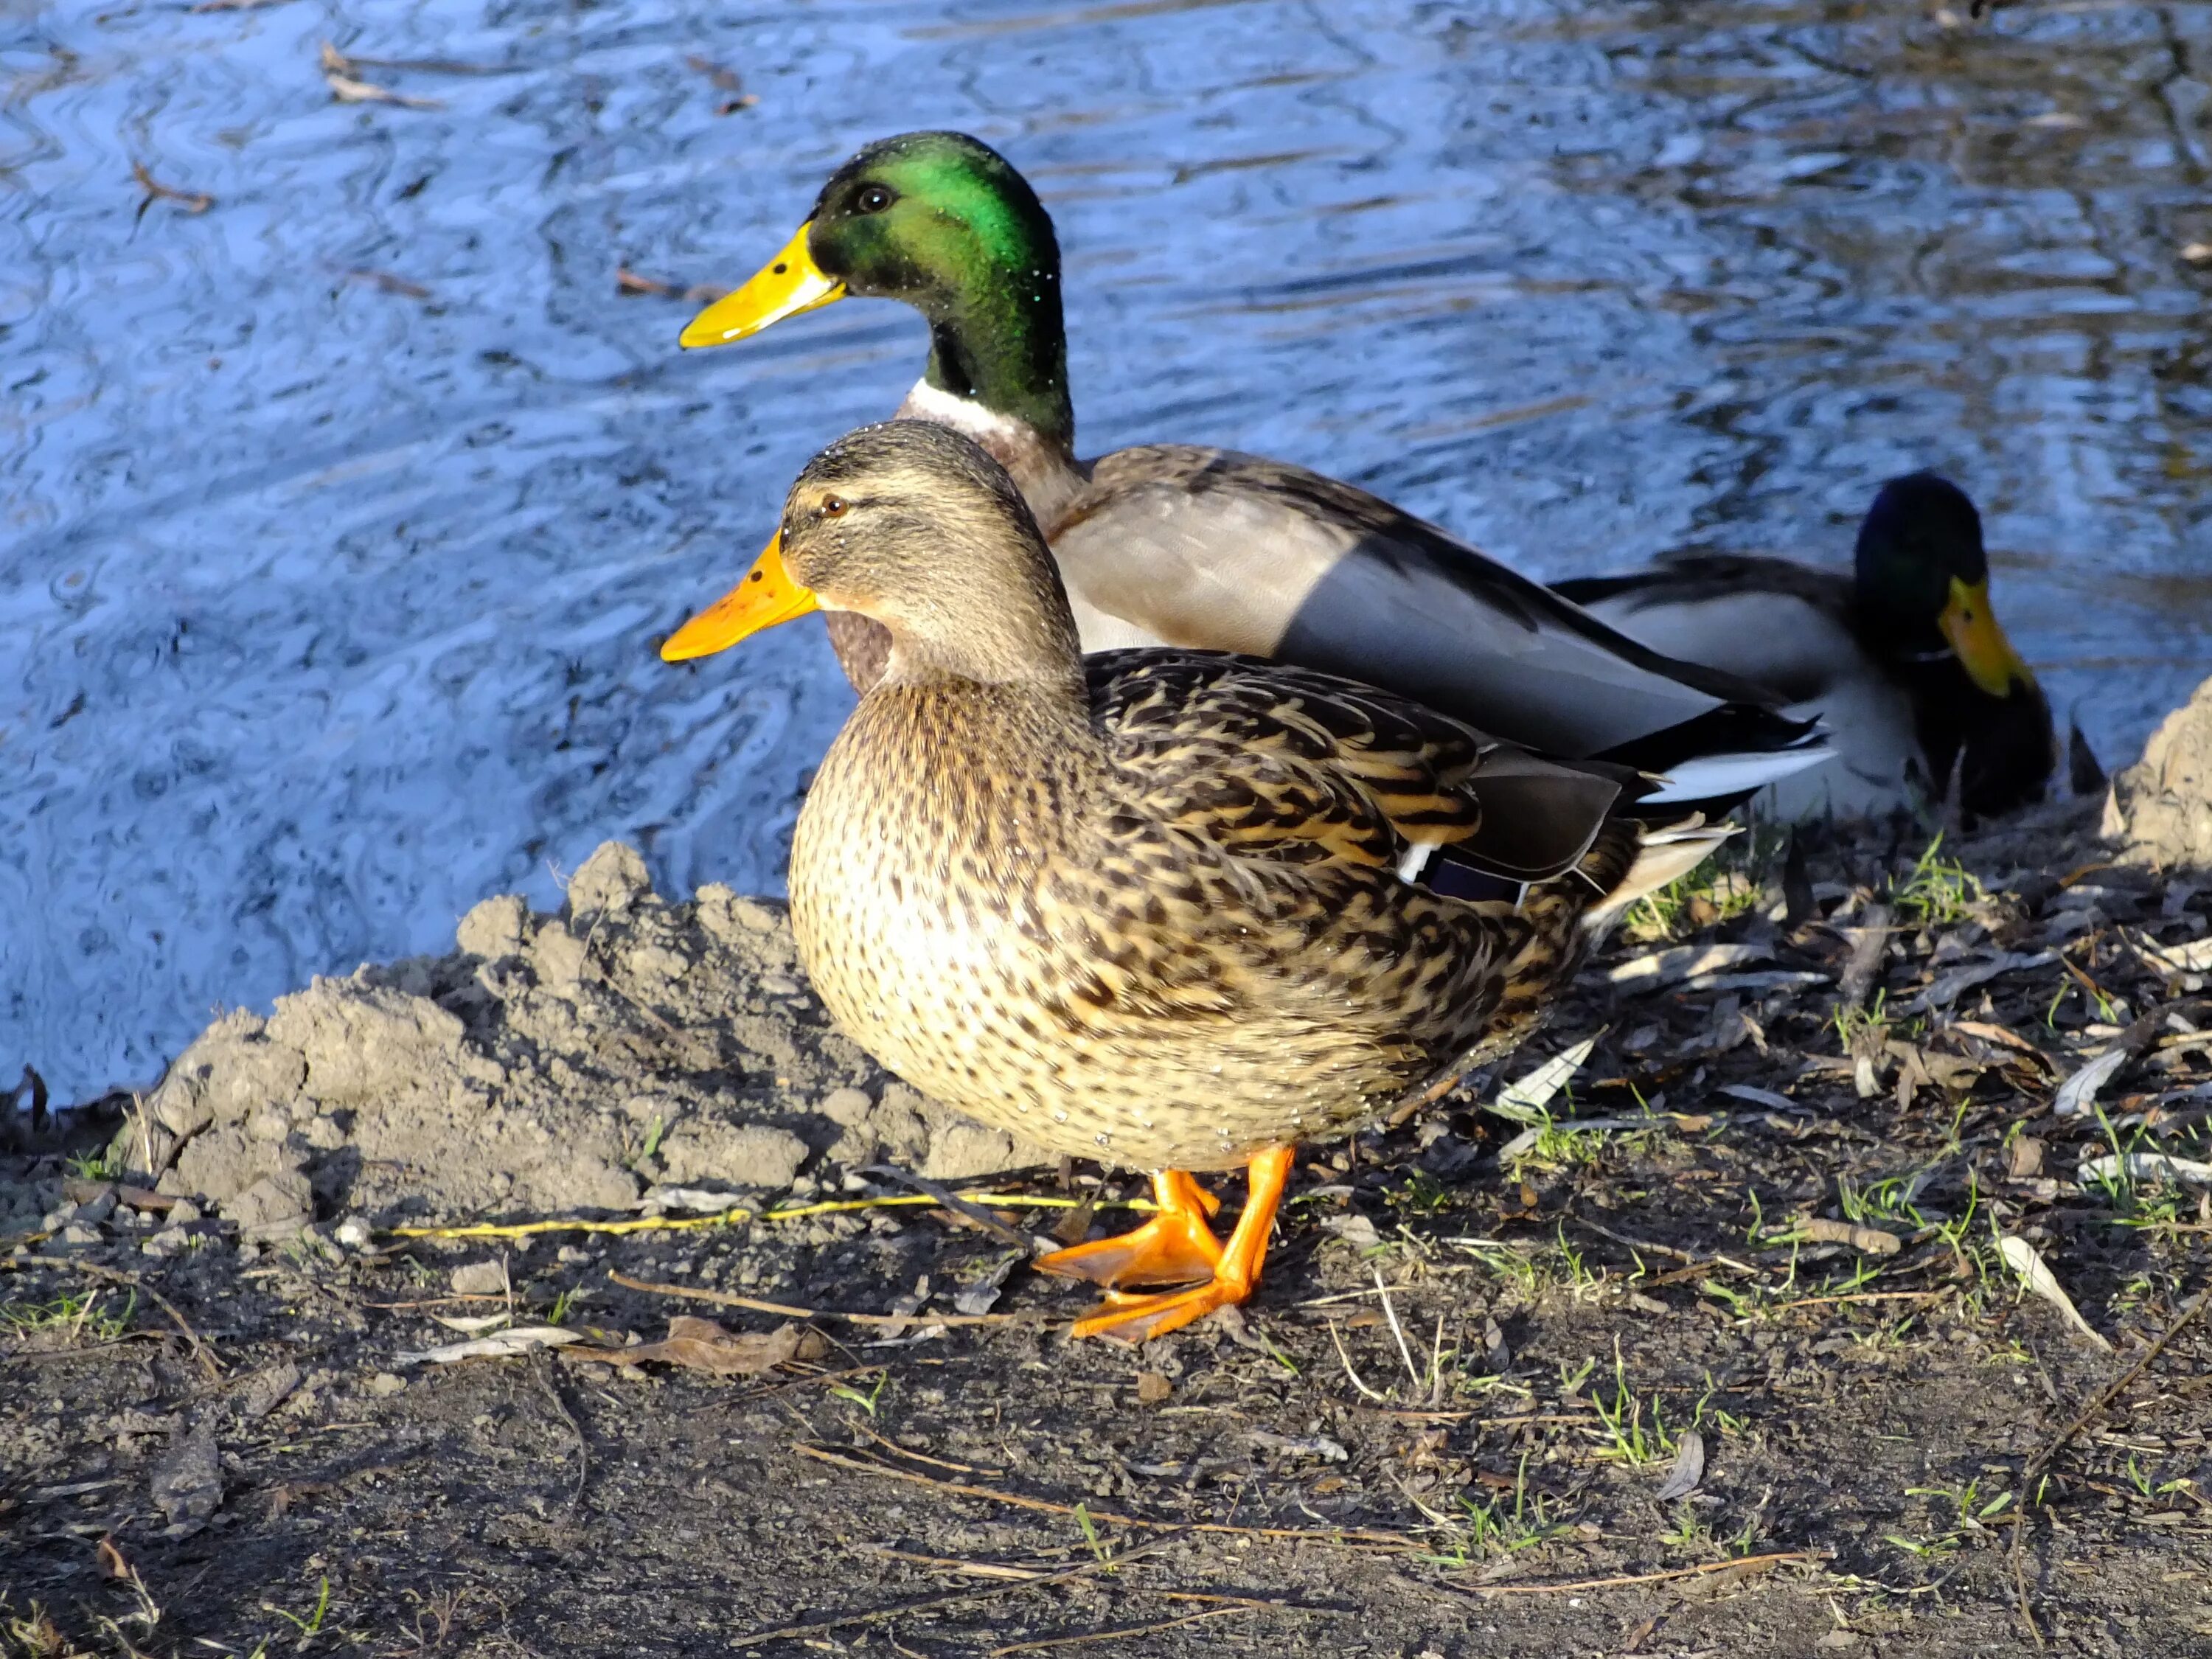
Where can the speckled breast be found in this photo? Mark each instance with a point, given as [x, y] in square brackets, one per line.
[935, 910]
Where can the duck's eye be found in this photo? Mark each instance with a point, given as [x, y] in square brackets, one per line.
[833, 506]
[873, 199]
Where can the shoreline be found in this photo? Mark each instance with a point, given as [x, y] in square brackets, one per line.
[562, 1262]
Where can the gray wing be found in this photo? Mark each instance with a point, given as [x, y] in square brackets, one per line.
[1786, 626]
[1212, 548]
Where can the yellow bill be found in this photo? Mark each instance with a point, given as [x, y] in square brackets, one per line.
[766, 597]
[1971, 626]
[786, 285]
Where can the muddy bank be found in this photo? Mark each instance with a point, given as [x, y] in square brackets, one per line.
[551, 1064]
[1839, 1110]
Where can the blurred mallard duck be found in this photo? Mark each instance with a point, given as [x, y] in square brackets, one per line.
[1159, 908]
[1903, 658]
[1181, 544]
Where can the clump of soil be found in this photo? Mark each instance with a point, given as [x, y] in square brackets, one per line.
[1727, 1345]
[551, 1064]
[2161, 809]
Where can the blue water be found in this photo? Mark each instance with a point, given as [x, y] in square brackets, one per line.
[341, 517]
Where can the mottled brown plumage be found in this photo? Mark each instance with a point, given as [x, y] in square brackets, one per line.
[1146, 907]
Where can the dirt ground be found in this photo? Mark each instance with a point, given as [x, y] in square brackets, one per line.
[1733, 1345]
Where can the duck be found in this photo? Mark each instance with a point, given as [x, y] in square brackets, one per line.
[1206, 548]
[1160, 907]
[1903, 658]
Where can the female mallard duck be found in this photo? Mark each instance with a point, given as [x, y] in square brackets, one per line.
[1172, 544]
[1903, 658]
[1157, 907]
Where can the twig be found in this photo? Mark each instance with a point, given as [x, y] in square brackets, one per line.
[2038, 1465]
[652, 1223]
[1111, 1635]
[802, 1382]
[1017, 1500]
[974, 1212]
[1379, 1399]
[725, 1299]
[348, 89]
[738, 1213]
[1004, 1570]
[1271, 1603]
[923, 1457]
[2043, 1460]
[1866, 1296]
[203, 1353]
[33, 1355]
[1396, 1329]
[1776, 1559]
[1104, 1563]
[192, 201]
[1359, 1295]
[947, 1564]
[1652, 1246]
[544, 1372]
[2019, 1580]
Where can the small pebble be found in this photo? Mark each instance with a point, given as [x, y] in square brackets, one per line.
[480, 1279]
[387, 1382]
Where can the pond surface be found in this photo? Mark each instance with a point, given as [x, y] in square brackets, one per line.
[342, 515]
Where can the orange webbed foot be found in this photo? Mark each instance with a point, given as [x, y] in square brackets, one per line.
[1140, 1318]
[1175, 1247]
[1234, 1271]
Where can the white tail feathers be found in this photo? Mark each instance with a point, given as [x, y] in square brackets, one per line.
[1720, 777]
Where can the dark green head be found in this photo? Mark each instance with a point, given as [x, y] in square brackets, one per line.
[1922, 581]
[942, 221]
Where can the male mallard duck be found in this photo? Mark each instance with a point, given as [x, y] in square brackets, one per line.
[1155, 908]
[1176, 544]
[1903, 658]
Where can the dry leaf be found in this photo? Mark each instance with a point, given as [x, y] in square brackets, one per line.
[472, 1324]
[2020, 1257]
[701, 1344]
[2193, 958]
[1949, 988]
[348, 90]
[1683, 962]
[1765, 1097]
[1525, 1100]
[2144, 1166]
[2079, 1092]
[1689, 1469]
[521, 1339]
[1990, 1032]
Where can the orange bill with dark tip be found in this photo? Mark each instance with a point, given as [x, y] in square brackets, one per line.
[1971, 626]
[766, 597]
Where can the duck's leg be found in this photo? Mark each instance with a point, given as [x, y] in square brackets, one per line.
[1138, 1318]
[1175, 1247]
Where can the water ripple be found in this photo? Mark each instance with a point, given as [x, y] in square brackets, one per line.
[342, 518]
